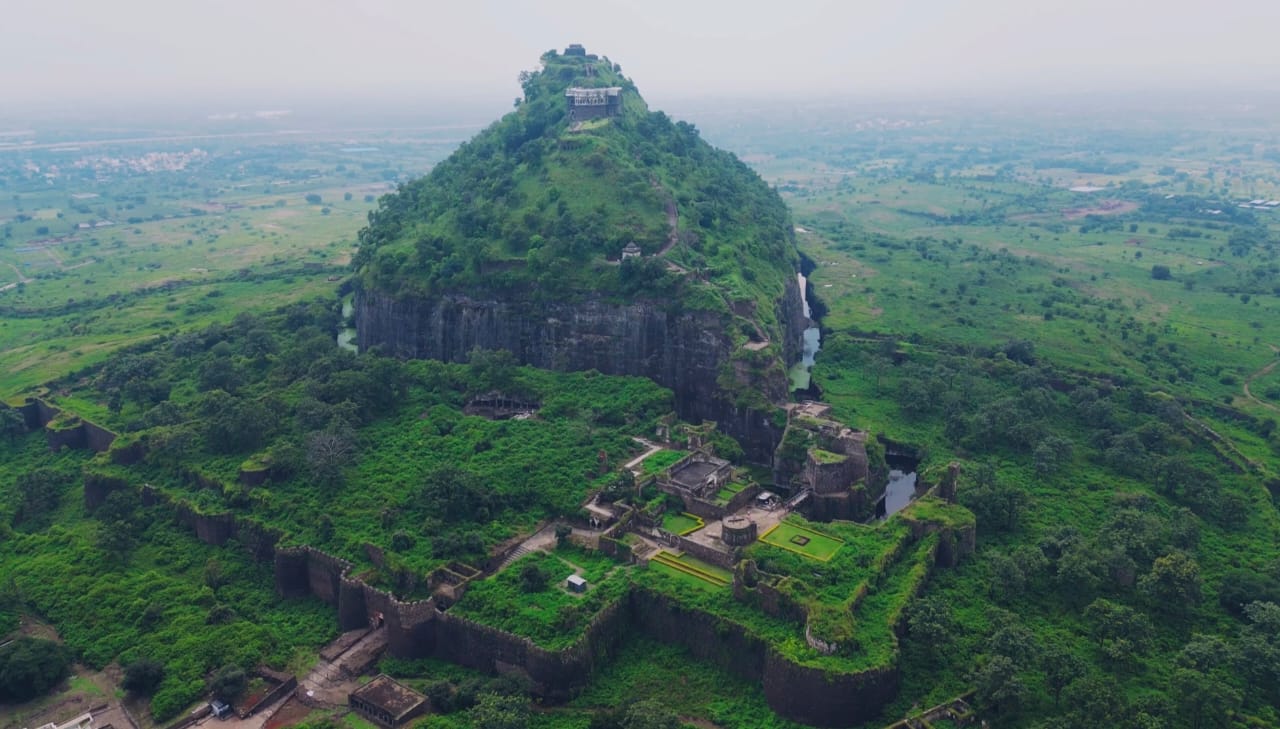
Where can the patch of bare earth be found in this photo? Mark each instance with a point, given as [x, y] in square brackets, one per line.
[1104, 207]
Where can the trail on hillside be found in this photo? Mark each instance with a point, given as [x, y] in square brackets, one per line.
[673, 217]
[1265, 369]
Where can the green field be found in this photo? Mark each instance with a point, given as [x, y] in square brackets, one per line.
[691, 569]
[681, 523]
[802, 540]
[661, 461]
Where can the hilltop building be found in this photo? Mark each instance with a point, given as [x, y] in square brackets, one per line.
[597, 103]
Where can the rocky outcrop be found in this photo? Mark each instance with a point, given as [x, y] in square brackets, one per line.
[686, 351]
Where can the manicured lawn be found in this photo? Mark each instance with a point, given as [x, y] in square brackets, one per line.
[801, 540]
[681, 523]
[694, 571]
[729, 490]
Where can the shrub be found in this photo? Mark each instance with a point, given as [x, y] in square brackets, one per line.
[30, 667]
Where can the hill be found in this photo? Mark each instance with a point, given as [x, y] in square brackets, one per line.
[517, 242]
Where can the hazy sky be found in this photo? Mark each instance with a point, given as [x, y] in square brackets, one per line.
[287, 50]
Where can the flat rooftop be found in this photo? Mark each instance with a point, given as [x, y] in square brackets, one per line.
[694, 473]
[385, 693]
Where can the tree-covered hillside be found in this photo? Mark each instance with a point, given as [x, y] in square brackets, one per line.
[539, 206]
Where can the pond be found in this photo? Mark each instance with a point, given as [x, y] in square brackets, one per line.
[901, 489]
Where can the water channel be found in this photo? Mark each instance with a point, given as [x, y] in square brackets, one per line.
[800, 373]
[901, 489]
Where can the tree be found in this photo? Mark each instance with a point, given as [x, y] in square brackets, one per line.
[328, 454]
[12, 424]
[1013, 640]
[492, 369]
[1260, 648]
[228, 683]
[1121, 631]
[314, 199]
[649, 714]
[1095, 703]
[1173, 582]
[214, 575]
[1204, 700]
[1008, 581]
[1061, 668]
[1051, 454]
[532, 578]
[1242, 586]
[998, 505]
[997, 687]
[929, 621]
[143, 677]
[39, 492]
[493, 711]
[30, 667]
[563, 531]
[1079, 572]
[1161, 273]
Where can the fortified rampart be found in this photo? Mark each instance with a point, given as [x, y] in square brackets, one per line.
[74, 433]
[820, 696]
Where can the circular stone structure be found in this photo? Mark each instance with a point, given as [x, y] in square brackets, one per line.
[737, 531]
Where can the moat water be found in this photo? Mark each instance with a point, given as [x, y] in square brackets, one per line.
[900, 491]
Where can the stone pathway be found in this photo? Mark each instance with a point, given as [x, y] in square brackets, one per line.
[330, 681]
[634, 462]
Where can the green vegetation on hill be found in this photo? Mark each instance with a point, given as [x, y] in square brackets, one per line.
[534, 207]
[529, 598]
[127, 584]
[358, 450]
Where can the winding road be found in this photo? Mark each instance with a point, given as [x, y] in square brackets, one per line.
[1262, 371]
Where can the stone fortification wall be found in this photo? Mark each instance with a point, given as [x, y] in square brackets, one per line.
[555, 675]
[833, 477]
[822, 697]
[36, 413]
[707, 637]
[719, 558]
[743, 498]
[826, 698]
[305, 571]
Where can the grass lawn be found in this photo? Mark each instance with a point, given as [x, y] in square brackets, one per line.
[681, 523]
[694, 571]
[798, 539]
[660, 461]
[728, 491]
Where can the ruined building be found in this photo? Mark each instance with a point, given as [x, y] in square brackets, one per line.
[598, 103]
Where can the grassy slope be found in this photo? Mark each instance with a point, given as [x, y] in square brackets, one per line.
[1109, 316]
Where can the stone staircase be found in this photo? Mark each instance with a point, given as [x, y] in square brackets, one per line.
[516, 554]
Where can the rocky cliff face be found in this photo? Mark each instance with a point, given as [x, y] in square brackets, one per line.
[686, 351]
